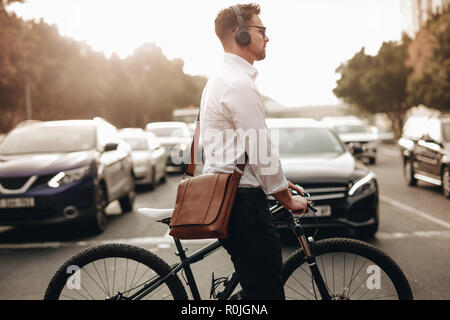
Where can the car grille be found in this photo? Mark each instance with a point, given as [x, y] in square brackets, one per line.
[326, 191]
[13, 183]
[42, 180]
[322, 193]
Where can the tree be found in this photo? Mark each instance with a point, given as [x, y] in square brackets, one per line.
[67, 79]
[11, 67]
[377, 84]
[429, 56]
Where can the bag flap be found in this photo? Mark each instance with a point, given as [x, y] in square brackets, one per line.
[199, 199]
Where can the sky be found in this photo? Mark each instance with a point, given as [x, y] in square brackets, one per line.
[308, 39]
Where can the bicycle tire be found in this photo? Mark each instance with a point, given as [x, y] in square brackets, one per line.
[85, 260]
[298, 286]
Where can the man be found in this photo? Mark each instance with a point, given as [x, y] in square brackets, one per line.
[231, 102]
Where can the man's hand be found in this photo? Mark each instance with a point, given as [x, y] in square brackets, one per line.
[296, 188]
[296, 204]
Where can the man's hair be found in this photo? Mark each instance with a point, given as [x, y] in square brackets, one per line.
[226, 19]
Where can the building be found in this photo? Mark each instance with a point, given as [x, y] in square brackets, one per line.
[414, 13]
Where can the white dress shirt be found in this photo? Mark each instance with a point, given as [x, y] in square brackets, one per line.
[232, 112]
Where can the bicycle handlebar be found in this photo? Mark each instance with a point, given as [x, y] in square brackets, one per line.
[294, 192]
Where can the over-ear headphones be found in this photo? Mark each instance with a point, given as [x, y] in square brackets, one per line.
[241, 35]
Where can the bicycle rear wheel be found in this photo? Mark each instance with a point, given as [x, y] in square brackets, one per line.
[351, 269]
[113, 271]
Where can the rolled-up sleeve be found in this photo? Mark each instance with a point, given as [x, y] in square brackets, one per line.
[245, 106]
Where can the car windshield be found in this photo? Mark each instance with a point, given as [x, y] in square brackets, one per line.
[167, 131]
[446, 131]
[351, 129]
[52, 139]
[136, 143]
[304, 141]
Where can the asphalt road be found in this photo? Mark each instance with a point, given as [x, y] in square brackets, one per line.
[414, 230]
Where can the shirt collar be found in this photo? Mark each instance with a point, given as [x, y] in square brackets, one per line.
[242, 63]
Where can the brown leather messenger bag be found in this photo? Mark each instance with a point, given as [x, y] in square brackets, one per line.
[204, 202]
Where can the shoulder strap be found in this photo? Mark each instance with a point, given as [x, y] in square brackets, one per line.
[190, 169]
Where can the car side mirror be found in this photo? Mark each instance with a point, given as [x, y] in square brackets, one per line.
[111, 146]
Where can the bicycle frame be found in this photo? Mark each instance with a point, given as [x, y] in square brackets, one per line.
[185, 263]
[230, 284]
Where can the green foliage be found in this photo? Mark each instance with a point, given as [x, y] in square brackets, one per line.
[377, 84]
[69, 80]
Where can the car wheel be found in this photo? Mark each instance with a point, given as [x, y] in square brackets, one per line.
[367, 232]
[97, 223]
[163, 179]
[152, 184]
[446, 182]
[126, 202]
[409, 173]
[372, 160]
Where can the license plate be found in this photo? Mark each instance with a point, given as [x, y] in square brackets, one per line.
[322, 211]
[17, 202]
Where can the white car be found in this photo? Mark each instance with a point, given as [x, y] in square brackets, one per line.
[176, 138]
[355, 132]
[149, 157]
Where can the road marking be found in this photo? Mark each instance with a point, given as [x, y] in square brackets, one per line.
[415, 211]
[166, 243]
[416, 234]
[161, 242]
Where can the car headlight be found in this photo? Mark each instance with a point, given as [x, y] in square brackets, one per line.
[65, 177]
[366, 182]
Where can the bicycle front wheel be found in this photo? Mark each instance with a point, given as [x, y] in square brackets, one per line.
[113, 271]
[351, 270]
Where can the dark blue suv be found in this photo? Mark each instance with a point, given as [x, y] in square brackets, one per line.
[64, 171]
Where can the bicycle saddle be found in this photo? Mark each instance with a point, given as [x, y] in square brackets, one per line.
[159, 215]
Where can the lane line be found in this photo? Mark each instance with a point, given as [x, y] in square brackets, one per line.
[417, 212]
[164, 243]
[161, 242]
[416, 234]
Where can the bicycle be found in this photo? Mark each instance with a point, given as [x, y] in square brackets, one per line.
[329, 269]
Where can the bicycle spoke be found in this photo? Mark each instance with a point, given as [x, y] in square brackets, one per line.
[299, 282]
[324, 273]
[101, 288]
[353, 284]
[126, 275]
[332, 266]
[350, 294]
[343, 283]
[95, 267]
[134, 275]
[114, 276]
[106, 274]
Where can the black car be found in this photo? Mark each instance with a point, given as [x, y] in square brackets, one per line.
[63, 171]
[344, 190]
[425, 150]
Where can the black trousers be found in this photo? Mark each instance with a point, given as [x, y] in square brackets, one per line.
[254, 246]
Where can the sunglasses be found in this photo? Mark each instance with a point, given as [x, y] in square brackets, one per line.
[263, 32]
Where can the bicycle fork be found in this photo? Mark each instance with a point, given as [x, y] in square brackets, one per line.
[308, 248]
